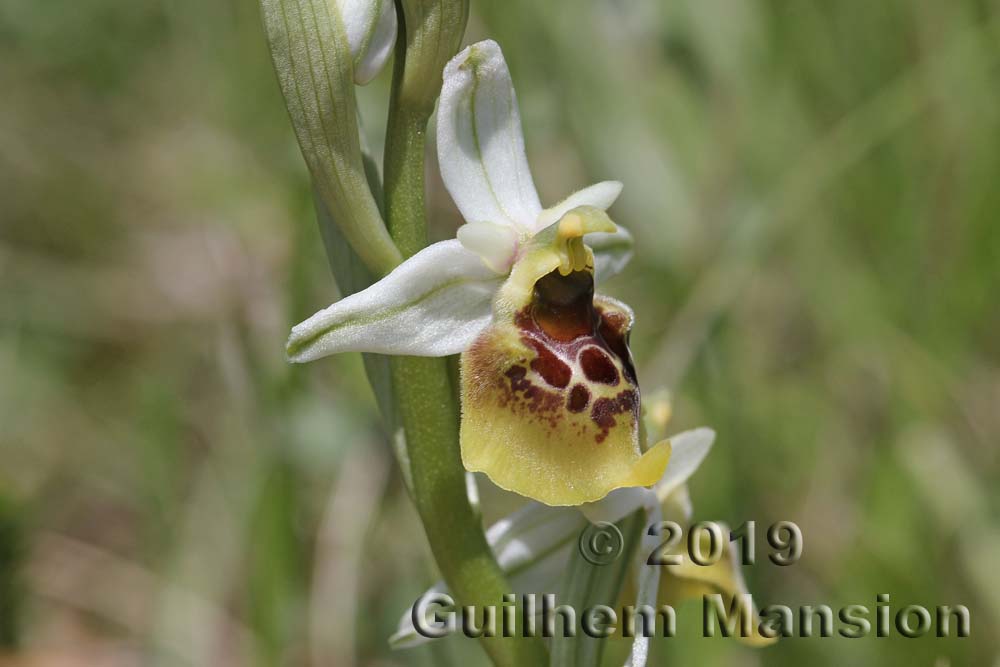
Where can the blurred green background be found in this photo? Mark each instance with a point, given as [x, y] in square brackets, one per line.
[815, 190]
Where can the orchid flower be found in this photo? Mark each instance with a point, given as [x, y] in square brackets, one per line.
[534, 545]
[550, 403]
[686, 580]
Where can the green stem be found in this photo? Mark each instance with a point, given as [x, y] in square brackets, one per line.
[429, 35]
[426, 398]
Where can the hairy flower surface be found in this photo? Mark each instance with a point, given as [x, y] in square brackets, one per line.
[550, 402]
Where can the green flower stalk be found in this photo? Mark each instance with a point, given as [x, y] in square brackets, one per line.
[433, 32]
[425, 395]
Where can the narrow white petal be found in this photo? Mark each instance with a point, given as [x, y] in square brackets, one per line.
[406, 635]
[647, 586]
[533, 532]
[433, 304]
[599, 195]
[472, 491]
[543, 575]
[371, 33]
[479, 140]
[495, 243]
[688, 450]
[612, 251]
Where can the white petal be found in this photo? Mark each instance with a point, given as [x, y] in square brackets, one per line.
[496, 244]
[612, 251]
[479, 141]
[371, 33]
[647, 586]
[433, 304]
[688, 450]
[599, 195]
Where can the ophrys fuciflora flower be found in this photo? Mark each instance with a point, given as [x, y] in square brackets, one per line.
[550, 400]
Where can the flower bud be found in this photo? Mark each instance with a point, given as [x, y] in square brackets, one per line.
[371, 32]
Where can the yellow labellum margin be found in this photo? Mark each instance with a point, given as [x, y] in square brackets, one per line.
[550, 402]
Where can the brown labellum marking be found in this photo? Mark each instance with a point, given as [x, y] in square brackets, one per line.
[545, 404]
[552, 369]
[516, 375]
[579, 397]
[598, 366]
[605, 409]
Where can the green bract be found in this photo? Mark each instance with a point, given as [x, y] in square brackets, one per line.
[319, 49]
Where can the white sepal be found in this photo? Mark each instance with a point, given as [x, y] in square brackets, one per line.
[371, 32]
[479, 141]
[599, 195]
[433, 304]
[531, 533]
[612, 251]
[688, 450]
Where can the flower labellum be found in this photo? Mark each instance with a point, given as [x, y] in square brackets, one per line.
[549, 395]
